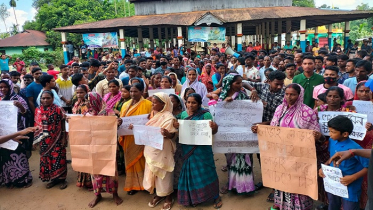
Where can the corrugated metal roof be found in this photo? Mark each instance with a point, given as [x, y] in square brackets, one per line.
[25, 38]
[256, 14]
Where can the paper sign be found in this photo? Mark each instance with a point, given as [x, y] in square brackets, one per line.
[148, 135]
[168, 91]
[127, 121]
[234, 120]
[195, 132]
[332, 183]
[359, 121]
[66, 121]
[288, 159]
[93, 144]
[364, 107]
[8, 123]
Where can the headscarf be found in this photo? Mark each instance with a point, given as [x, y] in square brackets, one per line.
[298, 115]
[11, 92]
[183, 108]
[227, 83]
[199, 87]
[97, 105]
[111, 102]
[207, 78]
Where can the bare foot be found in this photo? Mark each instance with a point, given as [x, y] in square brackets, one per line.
[117, 199]
[95, 201]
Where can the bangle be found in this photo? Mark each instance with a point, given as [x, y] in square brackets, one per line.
[352, 153]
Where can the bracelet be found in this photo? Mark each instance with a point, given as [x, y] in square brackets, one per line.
[352, 153]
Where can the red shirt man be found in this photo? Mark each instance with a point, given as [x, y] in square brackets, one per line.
[19, 65]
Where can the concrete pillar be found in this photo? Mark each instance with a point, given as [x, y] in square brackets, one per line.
[159, 37]
[134, 43]
[167, 43]
[151, 38]
[256, 33]
[233, 42]
[279, 33]
[239, 36]
[186, 38]
[272, 33]
[179, 36]
[139, 38]
[267, 36]
[330, 32]
[347, 33]
[302, 32]
[64, 42]
[316, 34]
[122, 42]
[263, 35]
[172, 41]
[288, 30]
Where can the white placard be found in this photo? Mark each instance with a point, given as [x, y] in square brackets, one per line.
[359, 121]
[8, 123]
[364, 107]
[168, 91]
[234, 120]
[195, 132]
[332, 183]
[67, 127]
[135, 120]
[148, 135]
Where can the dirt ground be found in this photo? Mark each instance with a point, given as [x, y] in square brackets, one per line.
[38, 197]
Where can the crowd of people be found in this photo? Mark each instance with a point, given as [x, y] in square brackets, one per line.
[293, 86]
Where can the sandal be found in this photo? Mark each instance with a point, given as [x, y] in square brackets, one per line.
[132, 192]
[155, 202]
[270, 197]
[259, 186]
[218, 203]
[168, 206]
[51, 184]
[63, 185]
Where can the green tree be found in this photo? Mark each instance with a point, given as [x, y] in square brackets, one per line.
[304, 3]
[13, 4]
[4, 14]
[361, 28]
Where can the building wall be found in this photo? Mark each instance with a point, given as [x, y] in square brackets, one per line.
[18, 50]
[174, 6]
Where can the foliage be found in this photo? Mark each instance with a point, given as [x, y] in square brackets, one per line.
[4, 35]
[32, 54]
[58, 13]
[361, 28]
[14, 30]
[4, 14]
[304, 3]
[324, 6]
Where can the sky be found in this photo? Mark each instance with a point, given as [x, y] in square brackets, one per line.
[24, 10]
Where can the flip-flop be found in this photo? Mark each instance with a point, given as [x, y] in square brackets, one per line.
[63, 185]
[152, 205]
[170, 205]
[216, 202]
[270, 197]
[259, 186]
[51, 184]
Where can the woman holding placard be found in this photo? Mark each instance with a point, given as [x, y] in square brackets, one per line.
[240, 170]
[160, 164]
[293, 113]
[134, 154]
[198, 180]
[14, 165]
[363, 93]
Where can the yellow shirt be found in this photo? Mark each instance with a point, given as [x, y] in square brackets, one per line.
[287, 81]
[315, 51]
[102, 87]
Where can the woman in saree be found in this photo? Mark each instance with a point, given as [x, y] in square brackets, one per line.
[101, 183]
[292, 113]
[14, 165]
[113, 96]
[155, 81]
[175, 83]
[178, 108]
[198, 180]
[240, 170]
[51, 137]
[364, 93]
[81, 107]
[134, 154]
[159, 165]
[207, 72]
[125, 96]
[198, 87]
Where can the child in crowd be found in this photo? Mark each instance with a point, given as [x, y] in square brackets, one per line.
[321, 99]
[353, 169]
